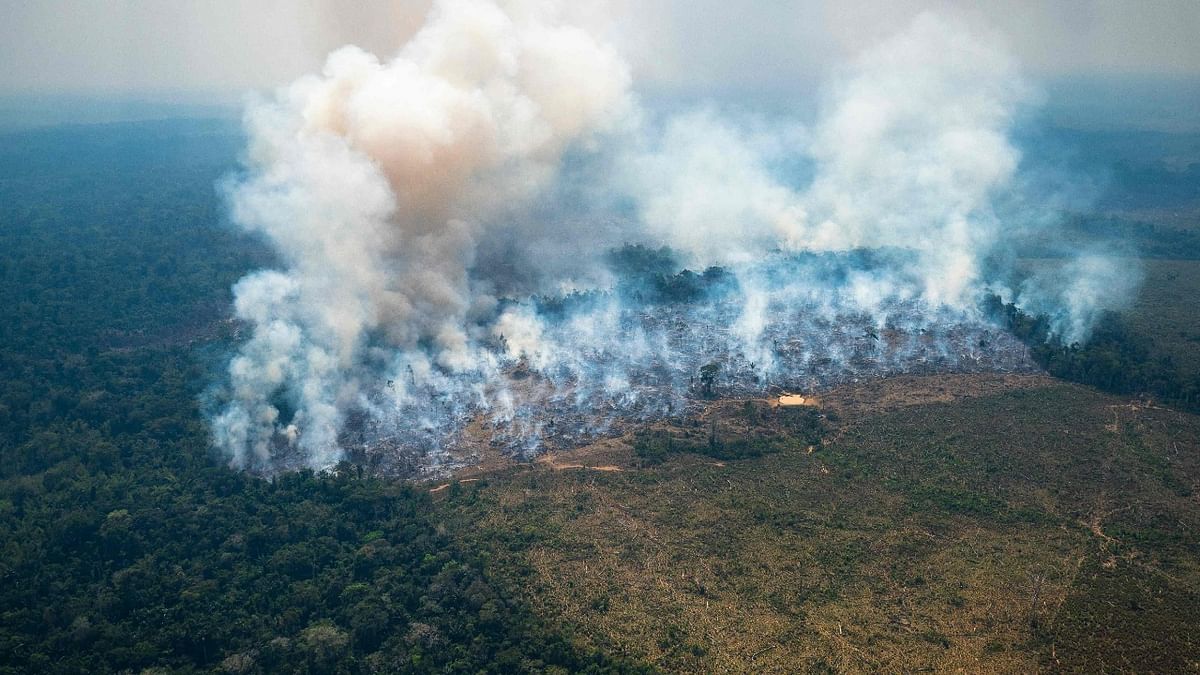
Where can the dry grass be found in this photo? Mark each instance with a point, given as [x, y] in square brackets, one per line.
[1165, 310]
[918, 539]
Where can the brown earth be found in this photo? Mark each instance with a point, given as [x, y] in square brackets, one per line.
[971, 523]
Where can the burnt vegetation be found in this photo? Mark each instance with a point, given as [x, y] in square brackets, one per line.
[126, 544]
[1055, 521]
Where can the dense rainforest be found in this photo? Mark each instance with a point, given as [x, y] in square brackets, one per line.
[1116, 358]
[128, 546]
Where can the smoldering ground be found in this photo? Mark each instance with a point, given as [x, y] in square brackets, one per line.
[490, 228]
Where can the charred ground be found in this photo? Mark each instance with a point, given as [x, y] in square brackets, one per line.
[979, 521]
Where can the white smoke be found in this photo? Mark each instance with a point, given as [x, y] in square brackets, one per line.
[1076, 294]
[911, 150]
[375, 180]
[705, 186]
[911, 145]
[414, 204]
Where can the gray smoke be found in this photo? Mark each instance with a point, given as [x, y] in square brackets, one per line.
[427, 208]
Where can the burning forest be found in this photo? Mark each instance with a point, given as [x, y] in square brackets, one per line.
[489, 240]
[595, 365]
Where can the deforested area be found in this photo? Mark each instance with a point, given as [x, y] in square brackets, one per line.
[982, 532]
[494, 336]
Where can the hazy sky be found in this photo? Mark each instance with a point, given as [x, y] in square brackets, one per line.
[206, 47]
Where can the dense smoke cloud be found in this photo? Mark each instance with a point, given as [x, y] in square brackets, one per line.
[374, 181]
[418, 205]
[910, 147]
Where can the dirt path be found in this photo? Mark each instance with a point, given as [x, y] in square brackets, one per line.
[551, 461]
[443, 486]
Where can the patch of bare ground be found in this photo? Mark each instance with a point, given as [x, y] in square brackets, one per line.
[958, 523]
[555, 464]
[606, 454]
[893, 393]
[876, 396]
[444, 486]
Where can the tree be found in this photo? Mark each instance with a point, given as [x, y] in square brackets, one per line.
[708, 378]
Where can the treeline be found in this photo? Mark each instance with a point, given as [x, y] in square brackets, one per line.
[644, 277]
[1115, 358]
[771, 430]
[1148, 240]
[125, 546]
[330, 573]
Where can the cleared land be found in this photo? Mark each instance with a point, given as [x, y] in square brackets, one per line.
[979, 523]
[1168, 310]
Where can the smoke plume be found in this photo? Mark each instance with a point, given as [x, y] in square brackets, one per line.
[450, 225]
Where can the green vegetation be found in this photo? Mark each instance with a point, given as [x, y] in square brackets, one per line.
[195, 569]
[1047, 526]
[1115, 358]
[1149, 240]
[126, 546]
[1165, 313]
[758, 430]
[1133, 236]
[1043, 527]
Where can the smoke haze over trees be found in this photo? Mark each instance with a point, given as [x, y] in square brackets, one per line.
[417, 201]
[393, 251]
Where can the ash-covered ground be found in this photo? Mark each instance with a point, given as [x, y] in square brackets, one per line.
[417, 311]
[572, 370]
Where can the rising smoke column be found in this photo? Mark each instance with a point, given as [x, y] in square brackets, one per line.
[411, 203]
[910, 147]
[374, 181]
[911, 150]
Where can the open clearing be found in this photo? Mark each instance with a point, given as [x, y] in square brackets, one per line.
[951, 523]
[1167, 310]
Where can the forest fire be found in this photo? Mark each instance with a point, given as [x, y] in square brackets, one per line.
[662, 363]
[445, 222]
